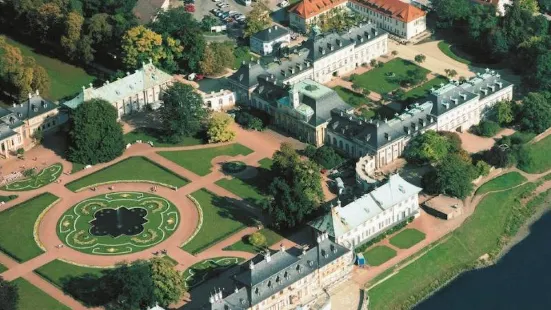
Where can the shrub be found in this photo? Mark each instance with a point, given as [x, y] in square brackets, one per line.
[310, 151]
[501, 157]
[326, 157]
[20, 151]
[257, 239]
[248, 121]
[487, 128]
[29, 172]
[482, 168]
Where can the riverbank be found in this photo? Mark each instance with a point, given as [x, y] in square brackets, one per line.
[497, 218]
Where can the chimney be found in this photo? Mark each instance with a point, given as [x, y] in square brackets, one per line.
[30, 95]
[267, 256]
[282, 247]
[275, 27]
[269, 30]
[37, 92]
[251, 265]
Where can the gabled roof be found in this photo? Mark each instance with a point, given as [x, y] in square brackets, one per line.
[310, 8]
[341, 220]
[271, 33]
[247, 75]
[397, 9]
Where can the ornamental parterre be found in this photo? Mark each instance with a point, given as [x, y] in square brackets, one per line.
[118, 223]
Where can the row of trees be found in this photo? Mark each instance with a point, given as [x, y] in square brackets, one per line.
[20, 75]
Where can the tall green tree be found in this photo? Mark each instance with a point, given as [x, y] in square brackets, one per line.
[535, 112]
[134, 286]
[168, 283]
[428, 147]
[182, 113]
[257, 19]
[504, 113]
[295, 191]
[450, 11]
[95, 135]
[72, 32]
[452, 177]
[9, 295]
[182, 26]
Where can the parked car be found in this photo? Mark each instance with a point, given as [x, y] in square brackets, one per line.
[224, 5]
[192, 76]
[199, 77]
[220, 4]
[240, 18]
[216, 10]
[216, 0]
[284, 3]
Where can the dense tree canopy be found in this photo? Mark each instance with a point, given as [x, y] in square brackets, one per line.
[95, 135]
[182, 113]
[452, 177]
[168, 283]
[218, 56]
[9, 296]
[134, 286]
[425, 148]
[535, 114]
[219, 128]
[295, 191]
[182, 26]
[258, 19]
[20, 75]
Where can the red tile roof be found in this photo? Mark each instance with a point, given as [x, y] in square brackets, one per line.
[395, 8]
[310, 8]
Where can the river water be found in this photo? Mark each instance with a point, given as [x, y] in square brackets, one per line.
[521, 279]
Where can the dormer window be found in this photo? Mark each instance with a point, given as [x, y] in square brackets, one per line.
[269, 284]
[257, 291]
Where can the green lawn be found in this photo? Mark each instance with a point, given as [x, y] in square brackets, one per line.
[32, 298]
[65, 79]
[203, 270]
[378, 255]
[446, 49]
[538, 153]
[377, 80]
[76, 167]
[199, 161]
[17, 227]
[57, 272]
[502, 182]
[154, 135]
[3, 268]
[266, 163]
[421, 91]
[349, 96]
[221, 218]
[127, 170]
[42, 178]
[243, 190]
[407, 238]
[271, 238]
[498, 215]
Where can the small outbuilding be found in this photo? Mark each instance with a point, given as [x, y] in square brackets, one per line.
[443, 207]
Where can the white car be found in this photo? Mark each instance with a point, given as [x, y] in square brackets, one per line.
[284, 3]
[216, 0]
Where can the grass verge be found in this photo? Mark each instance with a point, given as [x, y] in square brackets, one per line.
[378, 255]
[31, 296]
[199, 161]
[407, 238]
[537, 155]
[17, 227]
[155, 135]
[502, 182]
[126, 171]
[446, 49]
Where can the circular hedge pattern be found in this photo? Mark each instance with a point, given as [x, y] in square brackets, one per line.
[234, 166]
[161, 221]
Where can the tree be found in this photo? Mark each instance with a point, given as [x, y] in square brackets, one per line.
[482, 168]
[218, 129]
[543, 71]
[257, 19]
[535, 112]
[373, 62]
[95, 135]
[530, 5]
[9, 295]
[71, 36]
[420, 58]
[426, 148]
[182, 112]
[500, 156]
[169, 285]
[182, 26]
[44, 18]
[487, 128]
[357, 87]
[134, 286]
[295, 191]
[249, 121]
[453, 139]
[452, 177]
[140, 44]
[257, 239]
[326, 157]
[99, 28]
[504, 112]
[218, 56]
[208, 22]
[450, 72]
[450, 12]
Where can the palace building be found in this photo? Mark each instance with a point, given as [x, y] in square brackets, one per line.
[366, 217]
[319, 58]
[287, 279]
[129, 94]
[20, 122]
